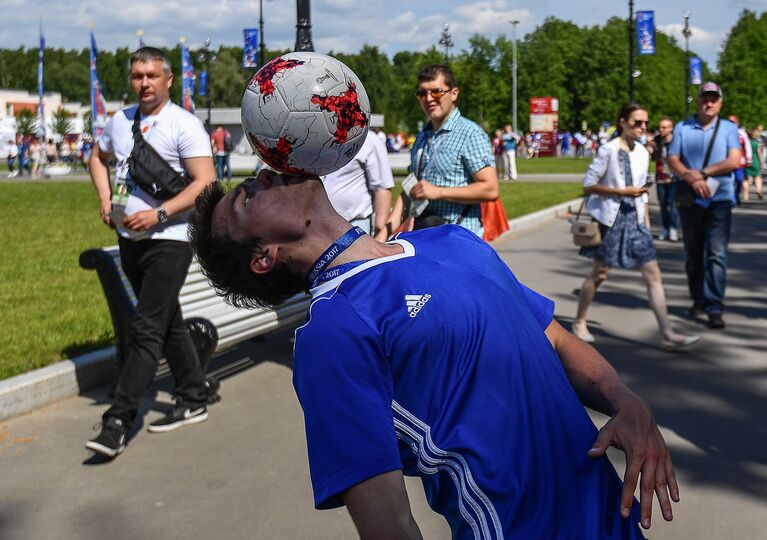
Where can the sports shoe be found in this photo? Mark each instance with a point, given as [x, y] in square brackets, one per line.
[695, 309]
[111, 440]
[179, 416]
[673, 235]
[664, 235]
[716, 321]
[583, 333]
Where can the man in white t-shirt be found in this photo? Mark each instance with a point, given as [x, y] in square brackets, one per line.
[154, 249]
[361, 190]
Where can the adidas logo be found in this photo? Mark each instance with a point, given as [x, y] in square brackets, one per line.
[415, 303]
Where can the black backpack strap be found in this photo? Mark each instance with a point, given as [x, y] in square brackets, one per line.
[137, 126]
[711, 144]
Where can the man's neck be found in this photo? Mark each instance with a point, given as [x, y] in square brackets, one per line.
[153, 110]
[705, 120]
[436, 126]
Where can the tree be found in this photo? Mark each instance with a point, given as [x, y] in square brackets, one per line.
[26, 122]
[743, 62]
[62, 123]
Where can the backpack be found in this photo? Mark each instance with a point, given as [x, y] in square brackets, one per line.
[228, 143]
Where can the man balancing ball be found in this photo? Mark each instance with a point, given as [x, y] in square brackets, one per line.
[424, 356]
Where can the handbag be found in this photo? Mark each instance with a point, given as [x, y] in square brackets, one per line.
[494, 219]
[149, 170]
[585, 233]
[684, 195]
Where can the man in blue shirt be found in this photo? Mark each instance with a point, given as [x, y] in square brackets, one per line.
[706, 221]
[425, 356]
[510, 141]
[452, 156]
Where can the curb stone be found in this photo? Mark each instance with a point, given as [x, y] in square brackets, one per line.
[68, 378]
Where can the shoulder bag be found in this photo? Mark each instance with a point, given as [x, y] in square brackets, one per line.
[149, 170]
[685, 195]
[585, 233]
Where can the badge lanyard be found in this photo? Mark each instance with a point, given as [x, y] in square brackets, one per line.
[336, 248]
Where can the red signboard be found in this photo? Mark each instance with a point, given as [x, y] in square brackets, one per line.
[544, 120]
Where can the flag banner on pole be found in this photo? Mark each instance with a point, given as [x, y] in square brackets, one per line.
[250, 50]
[188, 77]
[40, 103]
[696, 70]
[98, 105]
[203, 83]
[141, 42]
[646, 32]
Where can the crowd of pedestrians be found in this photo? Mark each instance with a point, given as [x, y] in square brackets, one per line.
[31, 155]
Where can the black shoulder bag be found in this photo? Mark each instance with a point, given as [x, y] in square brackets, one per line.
[685, 195]
[149, 170]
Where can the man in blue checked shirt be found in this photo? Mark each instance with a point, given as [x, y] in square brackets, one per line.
[452, 157]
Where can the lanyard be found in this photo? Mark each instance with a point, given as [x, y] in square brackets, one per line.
[332, 273]
[335, 249]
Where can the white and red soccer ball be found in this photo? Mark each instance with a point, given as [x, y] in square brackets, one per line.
[305, 113]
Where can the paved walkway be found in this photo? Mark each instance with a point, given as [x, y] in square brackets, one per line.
[243, 474]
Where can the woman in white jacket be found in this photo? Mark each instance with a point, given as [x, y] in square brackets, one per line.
[617, 198]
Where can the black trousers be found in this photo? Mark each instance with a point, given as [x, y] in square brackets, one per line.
[156, 270]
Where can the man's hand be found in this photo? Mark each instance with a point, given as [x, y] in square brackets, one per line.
[106, 207]
[141, 221]
[633, 430]
[425, 190]
[631, 427]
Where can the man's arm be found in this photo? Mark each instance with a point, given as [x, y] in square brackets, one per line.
[201, 173]
[631, 427]
[695, 177]
[381, 208]
[98, 167]
[380, 508]
[484, 187]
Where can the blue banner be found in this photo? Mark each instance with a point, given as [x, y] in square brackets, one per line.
[250, 49]
[203, 83]
[646, 32]
[40, 103]
[696, 70]
[98, 105]
[188, 77]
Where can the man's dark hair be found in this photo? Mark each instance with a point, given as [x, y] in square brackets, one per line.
[226, 262]
[625, 113]
[150, 54]
[431, 72]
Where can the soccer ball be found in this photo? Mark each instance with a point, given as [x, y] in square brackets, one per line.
[305, 113]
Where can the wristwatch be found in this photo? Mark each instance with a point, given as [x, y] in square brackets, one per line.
[704, 172]
[162, 214]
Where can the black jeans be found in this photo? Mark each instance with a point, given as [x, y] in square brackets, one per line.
[706, 236]
[156, 270]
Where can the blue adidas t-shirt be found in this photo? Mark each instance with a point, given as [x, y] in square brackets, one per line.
[435, 362]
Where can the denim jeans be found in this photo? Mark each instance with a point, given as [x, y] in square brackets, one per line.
[669, 216]
[706, 235]
[156, 270]
[222, 162]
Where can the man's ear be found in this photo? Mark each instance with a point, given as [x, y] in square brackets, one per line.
[264, 261]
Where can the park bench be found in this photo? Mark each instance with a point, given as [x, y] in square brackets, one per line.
[214, 325]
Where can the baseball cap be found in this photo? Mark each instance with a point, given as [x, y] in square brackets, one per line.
[710, 88]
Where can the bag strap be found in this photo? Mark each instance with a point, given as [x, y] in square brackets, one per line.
[711, 144]
[578, 215]
[137, 126]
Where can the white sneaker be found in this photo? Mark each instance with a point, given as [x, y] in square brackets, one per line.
[583, 333]
[673, 235]
[663, 235]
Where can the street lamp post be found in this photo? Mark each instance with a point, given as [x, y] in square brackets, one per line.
[304, 26]
[686, 32]
[514, 73]
[446, 39]
[206, 55]
[631, 50]
[261, 46]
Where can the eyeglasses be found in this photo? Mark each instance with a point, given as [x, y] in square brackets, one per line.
[435, 93]
[638, 123]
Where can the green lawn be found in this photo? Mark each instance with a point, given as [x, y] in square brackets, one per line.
[51, 309]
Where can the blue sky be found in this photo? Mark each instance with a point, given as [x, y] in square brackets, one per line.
[342, 25]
